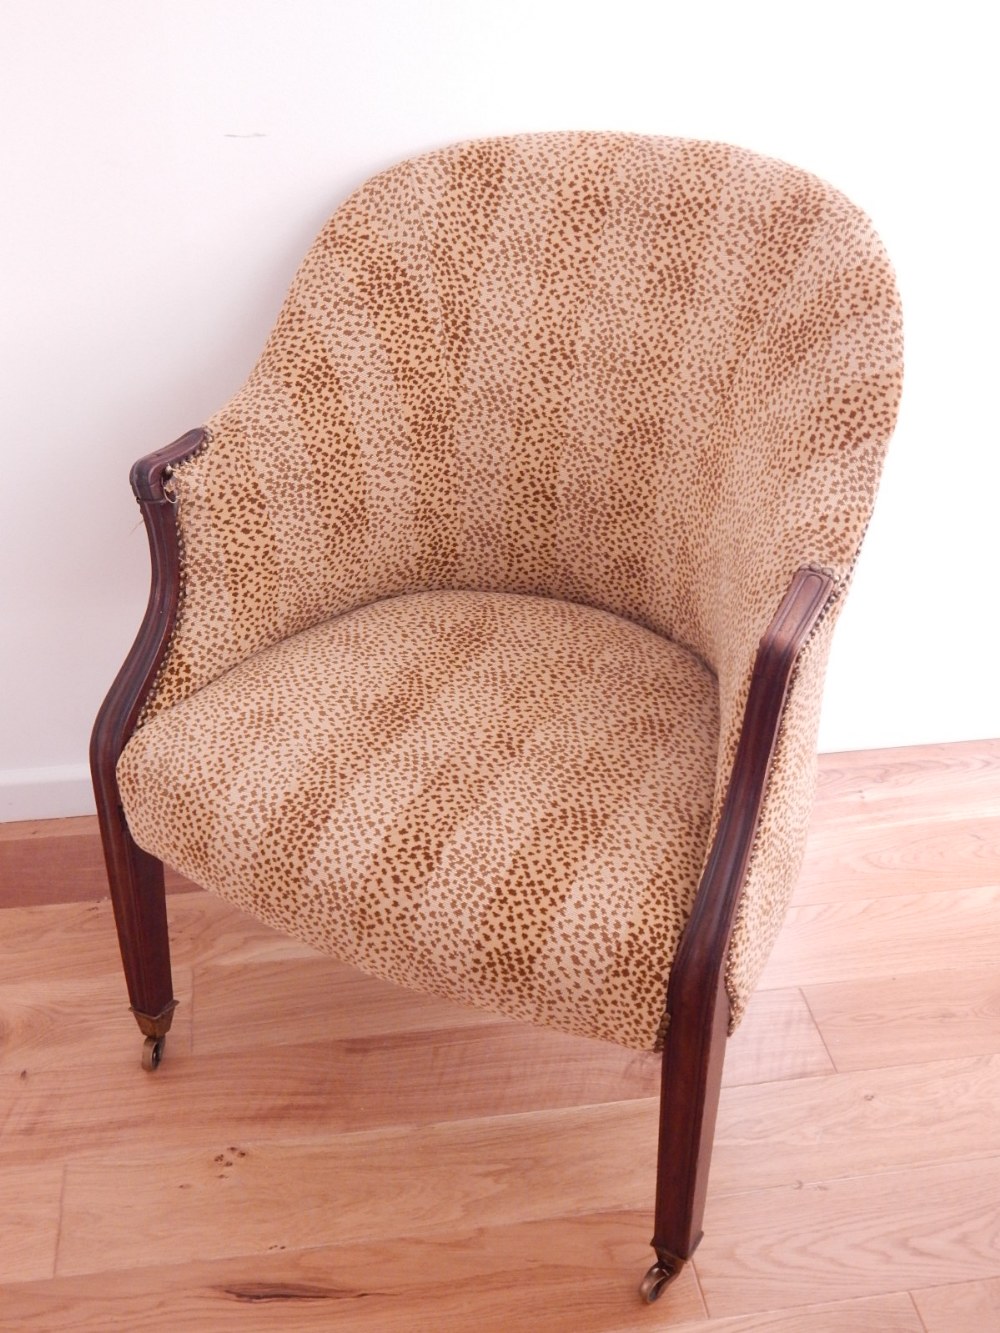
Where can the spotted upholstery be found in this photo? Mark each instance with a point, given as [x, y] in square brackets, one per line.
[543, 385]
[499, 798]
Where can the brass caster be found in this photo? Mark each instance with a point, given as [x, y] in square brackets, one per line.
[152, 1052]
[657, 1280]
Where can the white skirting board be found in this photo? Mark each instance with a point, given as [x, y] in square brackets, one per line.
[45, 793]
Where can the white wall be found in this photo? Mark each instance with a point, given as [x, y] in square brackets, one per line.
[165, 166]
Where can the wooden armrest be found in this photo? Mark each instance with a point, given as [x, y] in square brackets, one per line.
[123, 704]
[698, 970]
[697, 1012]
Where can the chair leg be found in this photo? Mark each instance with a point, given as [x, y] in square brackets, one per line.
[139, 901]
[689, 1100]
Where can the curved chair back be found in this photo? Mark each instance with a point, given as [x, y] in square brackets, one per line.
[649, 374]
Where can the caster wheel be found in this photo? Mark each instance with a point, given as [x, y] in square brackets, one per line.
[152, 1052]
[656, 1281]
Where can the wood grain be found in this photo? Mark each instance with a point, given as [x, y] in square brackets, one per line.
[312, 998]
[44, 831]
[302, 1094]
[880, 859]
[910, 784]
[315, 998]
[29, 1221]
[874, 1314]
[318, 999]
[555, 1274]
[77, 940]
[777, 1039]
[848, 941]
[226, 1196]
[57, 1025]
[887, 1020]
[820, 1129]
[964, 1307]
[841, 1239]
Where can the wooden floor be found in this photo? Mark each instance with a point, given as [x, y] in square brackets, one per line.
[321, 1151]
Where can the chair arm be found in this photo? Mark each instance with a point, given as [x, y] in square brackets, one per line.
[118, 715]
[697, 978]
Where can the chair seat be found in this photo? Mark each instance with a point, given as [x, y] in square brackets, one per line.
[502, 799]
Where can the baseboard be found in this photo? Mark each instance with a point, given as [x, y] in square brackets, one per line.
[45, 793]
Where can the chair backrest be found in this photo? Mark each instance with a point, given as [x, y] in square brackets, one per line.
[650, 374]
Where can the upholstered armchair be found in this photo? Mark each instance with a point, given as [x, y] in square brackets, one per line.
[489, 620]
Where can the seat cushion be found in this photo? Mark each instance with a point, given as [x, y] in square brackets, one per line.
[499, 798]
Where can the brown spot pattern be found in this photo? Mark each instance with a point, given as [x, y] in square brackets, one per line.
[499, 798]
[647, 376]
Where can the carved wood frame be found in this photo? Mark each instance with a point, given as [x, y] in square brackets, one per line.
[135, 878]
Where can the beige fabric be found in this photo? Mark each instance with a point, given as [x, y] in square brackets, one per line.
[649, 375]
[498, 798]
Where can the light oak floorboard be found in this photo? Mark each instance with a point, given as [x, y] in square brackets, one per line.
[203, 929]
[881, 859]
[966, 1307]
[842, 1239]
[300, 1094]
[320, 999]
[848, 941]
[768, 1134]
[45, 830]
[36, 940]
[910, 784]
[29, 1220]
[553, 1274]
[229, 1196]
[874, 1314]
[310, 998]
[84, 1107]
[819, 1129]
[56, 1025]
[777, 1039]
[889, 1020]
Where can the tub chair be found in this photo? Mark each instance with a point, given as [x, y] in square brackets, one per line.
[489, 619]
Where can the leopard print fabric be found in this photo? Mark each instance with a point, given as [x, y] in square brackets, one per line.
[498, 798]
[646, 375]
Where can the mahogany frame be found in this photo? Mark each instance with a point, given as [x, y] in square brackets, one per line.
[697, 1002]
[135, 878]
[698, 1006]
